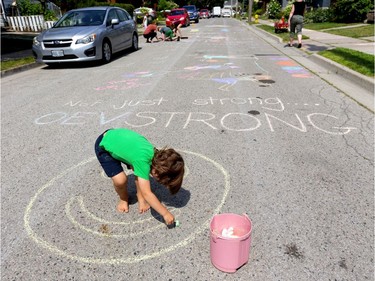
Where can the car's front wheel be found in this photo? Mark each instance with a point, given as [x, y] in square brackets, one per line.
[106, 52]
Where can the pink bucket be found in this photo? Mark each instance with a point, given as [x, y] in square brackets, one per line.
[228, 253]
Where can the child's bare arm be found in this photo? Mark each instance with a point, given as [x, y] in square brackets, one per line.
[149, 196]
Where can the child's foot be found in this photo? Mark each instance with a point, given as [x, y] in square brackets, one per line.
[143, 206]
[299, 46]
[123, 206]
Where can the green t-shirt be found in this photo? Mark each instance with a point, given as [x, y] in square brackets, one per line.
[130, 148]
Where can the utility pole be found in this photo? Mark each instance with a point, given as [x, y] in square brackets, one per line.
[250, 9]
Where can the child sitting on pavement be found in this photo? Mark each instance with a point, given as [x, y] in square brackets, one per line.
[166, 166]
[166, 32]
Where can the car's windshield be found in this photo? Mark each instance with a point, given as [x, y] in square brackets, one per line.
[176, 12]
[81, 18]
[189, 8]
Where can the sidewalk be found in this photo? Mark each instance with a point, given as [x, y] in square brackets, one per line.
[319, 41]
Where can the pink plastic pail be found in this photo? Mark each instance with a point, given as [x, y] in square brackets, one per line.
[230, 253]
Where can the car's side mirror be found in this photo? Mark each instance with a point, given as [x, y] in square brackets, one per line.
[114, 22]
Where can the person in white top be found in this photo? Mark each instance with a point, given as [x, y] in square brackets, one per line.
[145, 23]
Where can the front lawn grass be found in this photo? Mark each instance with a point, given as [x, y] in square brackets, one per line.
[354, 32]
[357, 61]
[6, 65]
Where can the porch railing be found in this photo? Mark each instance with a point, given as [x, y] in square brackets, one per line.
[29, 23]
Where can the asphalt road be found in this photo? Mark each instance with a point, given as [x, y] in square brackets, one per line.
[260, 135]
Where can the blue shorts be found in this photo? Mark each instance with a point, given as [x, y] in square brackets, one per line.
[111, 166]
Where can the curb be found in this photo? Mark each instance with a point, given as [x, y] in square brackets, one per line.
[8, 72]
[359, 79]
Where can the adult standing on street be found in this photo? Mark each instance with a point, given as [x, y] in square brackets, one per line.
[295, 21]
[145, 21]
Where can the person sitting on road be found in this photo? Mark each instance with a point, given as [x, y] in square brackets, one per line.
[120, 146]
[150, 32]
[166, 32]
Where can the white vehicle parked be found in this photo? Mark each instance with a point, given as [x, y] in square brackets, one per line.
[216, 12]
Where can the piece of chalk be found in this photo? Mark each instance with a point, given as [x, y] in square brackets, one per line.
[176, 223]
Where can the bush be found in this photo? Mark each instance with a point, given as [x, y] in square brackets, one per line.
[258, 12]
[27, 8]
[287, 10]
[49, 15]
[273, 9]
[351, 10]
[319, 15]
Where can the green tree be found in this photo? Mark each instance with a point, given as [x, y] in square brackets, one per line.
[166, 5]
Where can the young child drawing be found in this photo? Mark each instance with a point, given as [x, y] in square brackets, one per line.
[166, 166]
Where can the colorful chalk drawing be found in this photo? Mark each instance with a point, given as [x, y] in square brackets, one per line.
[228, 79]
[100, 233]
[292, 67]
[216, 68]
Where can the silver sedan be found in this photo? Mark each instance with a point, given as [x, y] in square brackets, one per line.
[87, 34]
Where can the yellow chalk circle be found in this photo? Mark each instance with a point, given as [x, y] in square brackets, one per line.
[107, 226]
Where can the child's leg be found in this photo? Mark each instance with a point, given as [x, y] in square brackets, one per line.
[143, 206]
[120, 182]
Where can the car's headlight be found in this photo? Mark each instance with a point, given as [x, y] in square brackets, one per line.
[36, 42]
[87, 39]
[182, 18]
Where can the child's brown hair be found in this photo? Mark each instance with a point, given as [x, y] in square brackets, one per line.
[169, 167]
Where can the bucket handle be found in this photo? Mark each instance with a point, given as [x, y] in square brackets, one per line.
[214, 235]
[246, 216]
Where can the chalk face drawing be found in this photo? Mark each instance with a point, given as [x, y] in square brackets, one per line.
[274, 115]
[87, 214]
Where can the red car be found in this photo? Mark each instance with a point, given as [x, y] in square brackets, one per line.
[177, 16]
[204, 14]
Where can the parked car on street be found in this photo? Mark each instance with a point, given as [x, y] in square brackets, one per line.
[226, 12]
[86, 34]
[204, 14]
[177, 16]
[193, 12]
